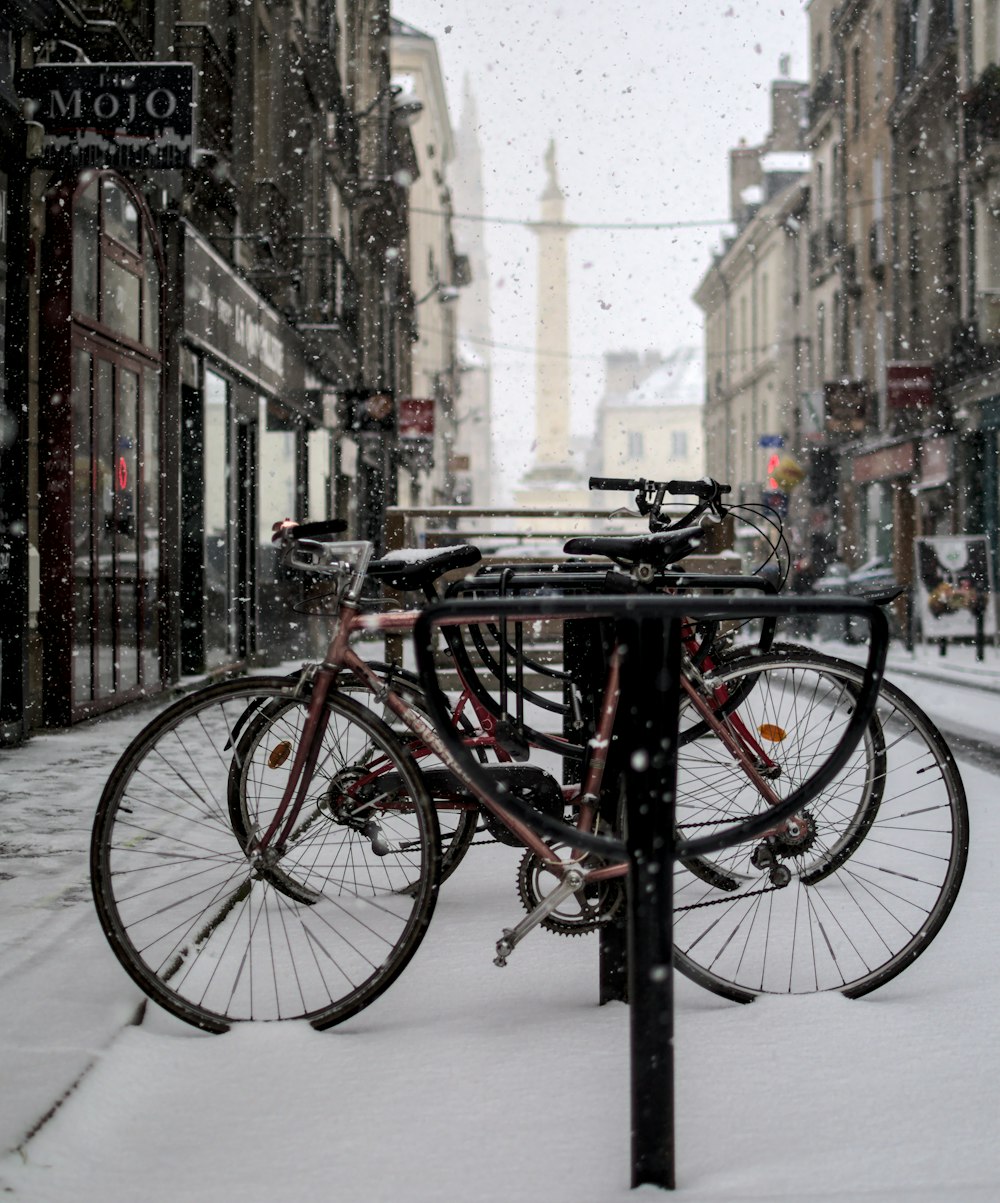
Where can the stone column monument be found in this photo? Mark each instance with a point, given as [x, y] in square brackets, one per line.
[552, 480]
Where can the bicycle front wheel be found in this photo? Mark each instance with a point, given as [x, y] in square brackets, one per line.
[216, 936]
[880, 852]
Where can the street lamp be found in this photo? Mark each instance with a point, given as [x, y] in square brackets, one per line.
[445, 293]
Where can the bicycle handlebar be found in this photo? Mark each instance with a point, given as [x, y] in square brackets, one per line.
[289, 529]
[706, 488]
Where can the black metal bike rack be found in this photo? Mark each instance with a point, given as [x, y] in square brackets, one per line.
[651, 687]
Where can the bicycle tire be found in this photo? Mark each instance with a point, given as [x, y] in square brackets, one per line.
[214, 939]
[881, 875]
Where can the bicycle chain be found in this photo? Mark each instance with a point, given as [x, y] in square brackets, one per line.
[694, 906]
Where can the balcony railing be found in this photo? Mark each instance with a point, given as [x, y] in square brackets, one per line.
[329, 316]
[130, 24]
[195, 42]
[274, 210]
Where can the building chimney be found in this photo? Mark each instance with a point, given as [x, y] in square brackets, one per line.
[744, 172]
[788, 100]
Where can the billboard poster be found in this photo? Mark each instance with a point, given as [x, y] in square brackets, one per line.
[953, 586]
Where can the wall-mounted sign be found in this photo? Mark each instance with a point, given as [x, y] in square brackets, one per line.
[224, 315]
[909, 385]
[416, 418]
[121, 115]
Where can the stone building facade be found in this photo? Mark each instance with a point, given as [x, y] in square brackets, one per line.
[896, 340]
[196, 343]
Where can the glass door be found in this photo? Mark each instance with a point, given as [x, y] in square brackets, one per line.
[218, 483]
[115, 524]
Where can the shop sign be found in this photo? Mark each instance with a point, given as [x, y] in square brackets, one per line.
[416, 418]
[846, 406]
[935, 462]
[899, 460]
[953, 586]
[226, 316]
[122, 115]
[909, 385]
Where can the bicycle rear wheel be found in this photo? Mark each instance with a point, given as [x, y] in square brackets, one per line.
[883, 855]
[212, 936]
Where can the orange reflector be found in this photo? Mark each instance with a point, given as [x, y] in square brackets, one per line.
[774, 733]
[279, 755]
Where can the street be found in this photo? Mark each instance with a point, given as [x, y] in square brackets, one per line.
[466, 1081]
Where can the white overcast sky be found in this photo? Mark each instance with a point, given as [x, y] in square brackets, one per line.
[644, 99]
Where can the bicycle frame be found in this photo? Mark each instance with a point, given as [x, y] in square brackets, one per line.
[341, 657]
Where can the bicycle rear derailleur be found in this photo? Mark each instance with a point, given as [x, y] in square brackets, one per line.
[796, 837]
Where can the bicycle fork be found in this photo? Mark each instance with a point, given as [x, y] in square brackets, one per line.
[267, 848]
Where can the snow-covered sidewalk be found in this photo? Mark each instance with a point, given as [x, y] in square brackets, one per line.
[469, 1082]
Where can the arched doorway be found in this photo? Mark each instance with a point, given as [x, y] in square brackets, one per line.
[99, 528]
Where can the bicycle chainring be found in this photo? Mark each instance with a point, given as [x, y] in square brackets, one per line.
[585, 911]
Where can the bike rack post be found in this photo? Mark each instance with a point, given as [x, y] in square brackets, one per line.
[650, 699]
[651, 686]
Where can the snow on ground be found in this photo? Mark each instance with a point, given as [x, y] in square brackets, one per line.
[469, 1082]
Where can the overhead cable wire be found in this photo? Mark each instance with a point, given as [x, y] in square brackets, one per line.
[692, 224]
[599, 358]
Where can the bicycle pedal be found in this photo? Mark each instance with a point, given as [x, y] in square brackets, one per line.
[504, 949]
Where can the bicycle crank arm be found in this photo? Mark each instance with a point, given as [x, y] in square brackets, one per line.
[512, 936]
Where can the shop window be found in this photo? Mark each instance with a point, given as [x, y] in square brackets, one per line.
[100, 553]
[878, 521]
[121, 217]
[115, 526]
[86, 231]
[115, 274]
[217, 563]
